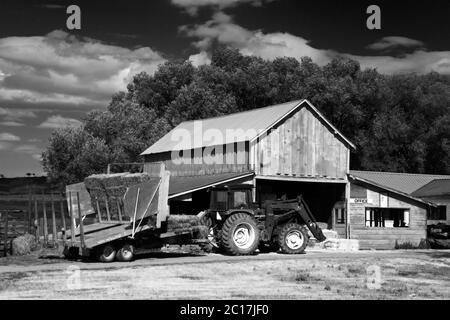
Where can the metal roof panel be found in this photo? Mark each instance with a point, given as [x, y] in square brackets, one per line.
[235, 127]
[403, 182]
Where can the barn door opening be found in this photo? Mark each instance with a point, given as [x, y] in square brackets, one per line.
[321, 197]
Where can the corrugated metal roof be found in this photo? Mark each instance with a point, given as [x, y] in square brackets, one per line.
[403, 182]
[437, 187]
[180, 185]
[246, 126]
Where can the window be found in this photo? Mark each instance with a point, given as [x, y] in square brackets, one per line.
[439, 213]
[221, 200]
[239, 199]
[339, 215]
[387, 217]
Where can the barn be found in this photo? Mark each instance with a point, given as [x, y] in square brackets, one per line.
[286, 150]
[283, 150]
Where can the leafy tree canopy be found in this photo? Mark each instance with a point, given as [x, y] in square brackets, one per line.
[398, 123]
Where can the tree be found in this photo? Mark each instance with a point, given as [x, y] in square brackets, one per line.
[73, 154]
[398, 123]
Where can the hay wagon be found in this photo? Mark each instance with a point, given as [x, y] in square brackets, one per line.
[112, 227]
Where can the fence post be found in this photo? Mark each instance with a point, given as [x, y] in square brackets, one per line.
[5, 244]
[63, 219]
[36, 218]
[55, 235]
[44, 207]
[29, 209]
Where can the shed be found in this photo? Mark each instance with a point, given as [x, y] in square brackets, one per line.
[438, 192]
[383, 217]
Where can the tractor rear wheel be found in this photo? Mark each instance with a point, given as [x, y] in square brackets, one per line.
[125, 253]
[106, 253]
[292, 238]
[240, 234]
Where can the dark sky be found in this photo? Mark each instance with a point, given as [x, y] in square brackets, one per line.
[49, 78]
[338, 24]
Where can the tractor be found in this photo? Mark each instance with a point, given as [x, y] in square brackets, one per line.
[237, 226]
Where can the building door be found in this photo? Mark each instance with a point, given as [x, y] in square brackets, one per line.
[339, 217]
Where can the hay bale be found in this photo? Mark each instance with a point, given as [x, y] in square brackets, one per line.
[109, 187]
[23, 245]
[182, 221]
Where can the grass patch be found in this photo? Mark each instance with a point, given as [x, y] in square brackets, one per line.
[298, 276]
[408, 273]
[190, 277]
[411, 246]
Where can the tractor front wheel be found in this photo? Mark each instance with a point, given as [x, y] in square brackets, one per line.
[292, 238]
[240, 234]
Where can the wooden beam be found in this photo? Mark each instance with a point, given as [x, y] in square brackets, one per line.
[36, 218]
[98, 210]
[163, 196]
[5, 243]
[29, 209]
[108, 217]
[72, 220]
[63, 219]
[300, 179]
[55, 234]
[118, 209]
[80, 216]
[135, 210]
[44, 208]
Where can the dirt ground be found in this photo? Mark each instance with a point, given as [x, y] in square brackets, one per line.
[399, 274]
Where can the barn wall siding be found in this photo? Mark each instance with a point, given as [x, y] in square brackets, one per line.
[385, 238]
[232, 159]
[301, 146]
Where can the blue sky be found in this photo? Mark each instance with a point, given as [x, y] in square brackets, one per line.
[51, 76]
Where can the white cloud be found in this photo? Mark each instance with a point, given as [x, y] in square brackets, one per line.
[222, 29]
[37, 156]
[14, 114]
[4, 145]
[6, 136]
[192, 6]
[200, 58]
[27, 148]
[61, 68]
[30, 149]
[418, 61]
[55, 122]
[395, 42]
[11, 124]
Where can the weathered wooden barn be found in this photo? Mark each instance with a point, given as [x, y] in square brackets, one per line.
[287, 150]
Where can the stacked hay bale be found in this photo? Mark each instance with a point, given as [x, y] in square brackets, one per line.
[182, 223]
[110, 187]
